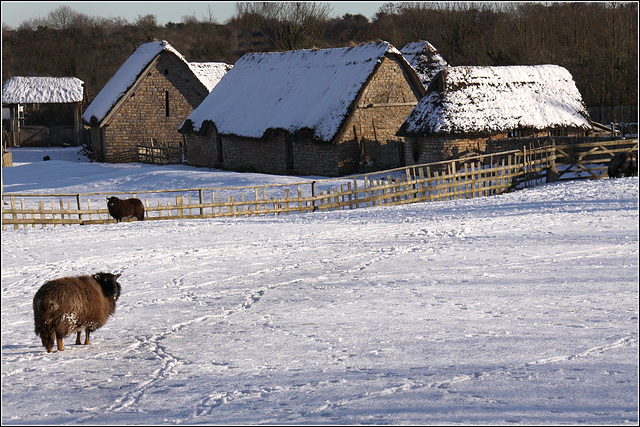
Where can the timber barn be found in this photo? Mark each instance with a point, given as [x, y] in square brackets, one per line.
[327, 112]
[43, 111]
[466, 108]
[146, 100]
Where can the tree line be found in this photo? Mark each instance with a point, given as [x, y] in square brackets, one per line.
[596, 42]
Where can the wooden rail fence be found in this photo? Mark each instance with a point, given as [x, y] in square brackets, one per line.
[470, 177]
[590, 159]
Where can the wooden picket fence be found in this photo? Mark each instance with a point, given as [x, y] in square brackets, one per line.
[470, 177]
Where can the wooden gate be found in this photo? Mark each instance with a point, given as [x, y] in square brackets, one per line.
[590, 159]
[160, 153]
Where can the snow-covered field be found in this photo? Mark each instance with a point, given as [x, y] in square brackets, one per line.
[515, 309]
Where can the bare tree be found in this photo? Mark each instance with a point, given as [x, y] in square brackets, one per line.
[147, 24]
[61, 18]
[289, 25]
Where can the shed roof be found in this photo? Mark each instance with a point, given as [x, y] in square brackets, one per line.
[425, 59]
[42, 90]
[294, 90]
[127, 75]
[498, 99]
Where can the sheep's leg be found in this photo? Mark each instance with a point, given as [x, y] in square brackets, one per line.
[59, 340]
[86, 338]
[78, 338]
[47, 341]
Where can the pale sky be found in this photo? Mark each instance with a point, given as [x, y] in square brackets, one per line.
[15, 12]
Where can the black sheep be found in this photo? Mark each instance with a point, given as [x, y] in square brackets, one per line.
[623, 165]
[119, 208]
[73, 304]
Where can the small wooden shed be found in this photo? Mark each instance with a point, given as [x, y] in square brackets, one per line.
[466, 108]
[146, 100]
[326, 112]
[62, 97]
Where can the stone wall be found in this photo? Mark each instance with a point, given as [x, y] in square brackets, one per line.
[419, 150]
[436, 148]
[254, 155]
[385, 103]
[7, 159]
[201, 150]
[324, 158]
[144, 115]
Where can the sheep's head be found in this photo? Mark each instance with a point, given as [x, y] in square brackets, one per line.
[109, 284]
[112, 201]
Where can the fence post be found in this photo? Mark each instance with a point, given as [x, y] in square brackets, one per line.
[313, 195]
[12, 200]
[355, 192]
[201, 201]
[79, 206]
[61, 209]
[42, 214]
[287, 196]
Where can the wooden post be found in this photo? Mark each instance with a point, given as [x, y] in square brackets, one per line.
[256, 197]
[313, 195]
[41, 209]
[79, 206]
[355, 192]
[423, 184]
[179, 204]
[53, 208]
[12, 200]
[286, 198]
[201, 201]
[62, 209]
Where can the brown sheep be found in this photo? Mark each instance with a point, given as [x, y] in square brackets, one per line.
[119, 208]
[73, 304]
[623, 165]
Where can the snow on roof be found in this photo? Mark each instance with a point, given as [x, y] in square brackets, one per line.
[498, 99]
[289, 90]
[129, 72]
[209, 73]
[42, 90]
[425, 59]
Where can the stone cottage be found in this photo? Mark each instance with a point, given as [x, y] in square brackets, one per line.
[466, 108]
[326, 112]
[43, 111]
[425, 59]
[146, 100]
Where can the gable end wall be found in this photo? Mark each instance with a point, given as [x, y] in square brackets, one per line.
[143, 114]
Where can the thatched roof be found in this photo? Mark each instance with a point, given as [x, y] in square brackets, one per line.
[208, 74]
[498, 99]
[425, 59]
[306, 89]
[42, 90]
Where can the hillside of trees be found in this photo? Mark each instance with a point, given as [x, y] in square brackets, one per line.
[596, 42]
